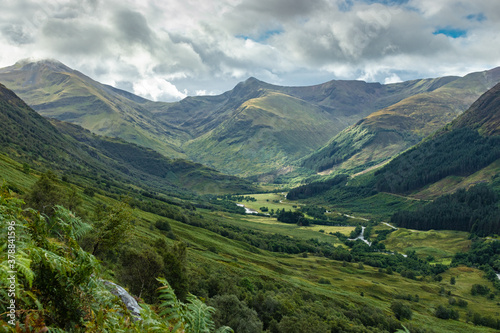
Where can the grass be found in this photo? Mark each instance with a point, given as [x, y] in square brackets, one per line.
[442, 245]
[273, 201]
[12, 173]
[347, 284]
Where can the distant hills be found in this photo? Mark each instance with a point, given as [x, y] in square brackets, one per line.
[467, 149]
[395, 128]
[254, 128]
[71, 150]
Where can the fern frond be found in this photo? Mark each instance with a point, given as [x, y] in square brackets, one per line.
[23, 263]
[170, 308]
[199, 316]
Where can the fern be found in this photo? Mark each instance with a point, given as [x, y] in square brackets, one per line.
[194, 317]
[171, 308]
[403, 330]
[199, 316]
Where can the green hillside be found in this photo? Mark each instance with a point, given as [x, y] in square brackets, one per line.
[56, 91]
[255, 122]
[465, 146]
[75, 152]
[264, 134]
[394, 129]
[258, 128]
[252, 273]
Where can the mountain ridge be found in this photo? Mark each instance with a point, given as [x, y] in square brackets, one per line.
[68, 148]
[253, 129]
[391, 130]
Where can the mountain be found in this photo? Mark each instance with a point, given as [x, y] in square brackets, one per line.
[460, 150]
[30, 138]
[57, 91]
[395, 128]
[259, 127]
[252, 129]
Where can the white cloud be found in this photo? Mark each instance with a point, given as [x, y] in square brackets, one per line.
[157, 89]
[190, 46]
[394, 78]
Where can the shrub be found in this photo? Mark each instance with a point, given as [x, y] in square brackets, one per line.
[401, 310]
[163, 225]
[479, 289]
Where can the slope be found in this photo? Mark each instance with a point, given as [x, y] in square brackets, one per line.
[258, 127]
[393, 129]
[55, 90]
[205, 128]
[29, 138]
[462, 148]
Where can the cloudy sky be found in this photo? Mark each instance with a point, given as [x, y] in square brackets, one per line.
[168, 49]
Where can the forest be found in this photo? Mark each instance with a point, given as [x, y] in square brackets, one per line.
[459, 152]
[474, 210]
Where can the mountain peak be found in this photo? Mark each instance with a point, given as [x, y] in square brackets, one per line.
[31, 64]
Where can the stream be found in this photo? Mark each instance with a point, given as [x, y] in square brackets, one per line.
[248, 210]
[362, 237]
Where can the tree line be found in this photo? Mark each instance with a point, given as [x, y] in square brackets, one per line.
[474, 210]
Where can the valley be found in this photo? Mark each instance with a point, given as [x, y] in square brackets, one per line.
[342, 207]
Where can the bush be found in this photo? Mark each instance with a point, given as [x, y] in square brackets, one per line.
[444, 313]
[89, 191]
[324, 281]
[479, 289]
[401, 310]
[163, 225]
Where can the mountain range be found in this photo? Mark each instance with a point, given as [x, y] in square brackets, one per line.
[391, 130]
[92, 159]
[256, 128]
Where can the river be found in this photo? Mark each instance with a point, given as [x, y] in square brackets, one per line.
[248, 210]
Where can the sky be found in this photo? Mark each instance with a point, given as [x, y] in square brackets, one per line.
[169, 49]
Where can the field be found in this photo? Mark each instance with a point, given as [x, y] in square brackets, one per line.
[441, 245]
[273, 201]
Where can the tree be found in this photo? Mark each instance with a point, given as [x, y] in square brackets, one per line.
[45, 194]
[236, 314]
[174, 263]
[401, 310]
[141, 267]
[111, 223]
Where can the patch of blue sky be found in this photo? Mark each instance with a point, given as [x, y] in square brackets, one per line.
[263, 37]
[479, 17]
[346, 5]
[451, 32]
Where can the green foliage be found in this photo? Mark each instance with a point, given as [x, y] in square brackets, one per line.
[475, 210]
[45, 194]
[401, 310]
[459, 152]
[111, 223]
[479, 289]
[295, 217]
[140, 267]
[485, 255]
[236, 314]
[444, 313]
[313, 189]
[193, 317]
[163, 225]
